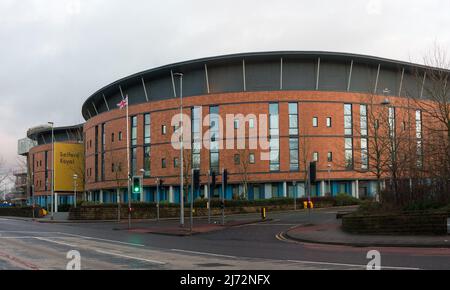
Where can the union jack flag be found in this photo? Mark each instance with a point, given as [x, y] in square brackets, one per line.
[123, 103]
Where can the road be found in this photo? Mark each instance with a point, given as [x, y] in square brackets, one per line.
[30, 245]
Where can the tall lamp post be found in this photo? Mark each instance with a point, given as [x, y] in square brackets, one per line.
[53, 170]
[180, 75]
[75, 177]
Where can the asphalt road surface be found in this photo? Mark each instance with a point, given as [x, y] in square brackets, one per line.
[30, 245]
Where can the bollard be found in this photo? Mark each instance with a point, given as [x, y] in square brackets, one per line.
[263, 213]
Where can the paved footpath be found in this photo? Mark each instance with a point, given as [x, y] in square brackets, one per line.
[331, 233]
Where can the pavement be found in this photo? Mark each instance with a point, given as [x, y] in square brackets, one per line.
[332, 234]
[200, 226]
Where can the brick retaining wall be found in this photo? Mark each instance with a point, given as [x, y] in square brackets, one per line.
[397, 224]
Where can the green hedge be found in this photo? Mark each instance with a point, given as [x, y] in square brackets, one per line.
[338, 201]
[26, 212]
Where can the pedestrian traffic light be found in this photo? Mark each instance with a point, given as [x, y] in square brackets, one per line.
[196, 177]
[136, 184]
[312, 172]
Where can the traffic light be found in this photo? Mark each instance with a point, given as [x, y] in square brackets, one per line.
[196, 177]
[136, 184]
[312, 172]
[213, 180]
[225, 178]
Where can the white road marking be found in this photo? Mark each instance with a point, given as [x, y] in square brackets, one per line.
[267, 225]
[130, 257]
[56, 242]
[349, 265]
[203, 253]
[103, 240]
[26, 238]
[104, 252]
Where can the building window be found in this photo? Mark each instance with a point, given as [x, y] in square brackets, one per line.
[392, 125]
[134, 131]
[419, 135]
[103, 151]
[274, 137]
[147, 160]
[163, 163]
[330, 157]
[293, 119]
[348, 119]
[236, 124]
[176, 163]
[293, 154]
[96, 154]
[363, 114]
[112, 138]
[237, 159]
[348, 153]
[147, 142]
[364, 139]
[364, 154]
[315, 122]
[120, 136]
[251, 123]
[133, 161]
[163, 129]
[214, 143]
[147, 129]
[196, 136]
[133, 149]
[316, 157]
[329, 122]
[252, 158]
[113, 169]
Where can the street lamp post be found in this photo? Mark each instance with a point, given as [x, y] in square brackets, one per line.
[53, 170]
[180, 75]
[75, 177]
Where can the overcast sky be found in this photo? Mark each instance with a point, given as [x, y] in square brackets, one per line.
[55, 53]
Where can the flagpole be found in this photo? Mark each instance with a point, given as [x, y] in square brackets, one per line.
[128, 162]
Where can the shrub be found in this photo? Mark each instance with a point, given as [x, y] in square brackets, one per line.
[367, 207]
[343, 199]
[423, 206]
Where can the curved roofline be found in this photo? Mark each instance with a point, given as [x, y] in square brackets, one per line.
[343, 55]
[48, 129]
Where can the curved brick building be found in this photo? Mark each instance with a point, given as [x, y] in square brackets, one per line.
[316, 104]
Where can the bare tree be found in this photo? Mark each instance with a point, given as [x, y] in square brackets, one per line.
[187, 172]
[433, 100]
[243, 169]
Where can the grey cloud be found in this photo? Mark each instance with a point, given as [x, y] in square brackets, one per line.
[55, 53]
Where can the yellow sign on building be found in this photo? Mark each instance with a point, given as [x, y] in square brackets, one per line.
[69, 161]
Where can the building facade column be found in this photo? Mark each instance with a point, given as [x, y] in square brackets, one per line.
[353, 185]
[322, 188]
[357, 189]
[118, 195]
[268, 191]
[285, 190]
[56, 201]
[171, 195]
[101, 196]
